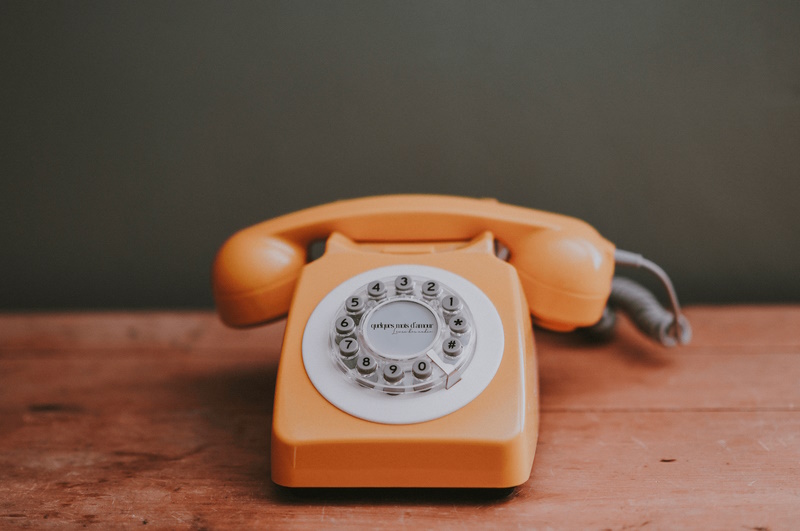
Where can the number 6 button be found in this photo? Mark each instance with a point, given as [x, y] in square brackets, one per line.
[345, 326]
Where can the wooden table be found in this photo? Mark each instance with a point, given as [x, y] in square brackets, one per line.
[162, 420]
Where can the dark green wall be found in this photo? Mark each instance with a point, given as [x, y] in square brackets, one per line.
[136, 136]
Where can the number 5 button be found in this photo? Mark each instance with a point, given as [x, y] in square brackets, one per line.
[355, 305]
[403, 284]
[451, 303]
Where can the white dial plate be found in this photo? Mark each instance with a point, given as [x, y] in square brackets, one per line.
[376, 406]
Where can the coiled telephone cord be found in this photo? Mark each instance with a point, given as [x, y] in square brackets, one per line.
[668, 327]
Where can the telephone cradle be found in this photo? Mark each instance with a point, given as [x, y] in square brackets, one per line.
[408, 358]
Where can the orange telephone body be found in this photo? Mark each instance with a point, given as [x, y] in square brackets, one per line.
[473, 421]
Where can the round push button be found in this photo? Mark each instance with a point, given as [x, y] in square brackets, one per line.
[377, 289]
[355, 305]
[430, 289]
[348, 347]
[392, 372]
[451, 303]
[458, 324]
[366, 364]
[452, 347]
[403, 284]
[422, 369]
[345, 326]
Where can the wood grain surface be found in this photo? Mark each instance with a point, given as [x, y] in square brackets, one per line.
[161, 420]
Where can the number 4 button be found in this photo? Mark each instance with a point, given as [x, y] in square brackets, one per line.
[376, 289]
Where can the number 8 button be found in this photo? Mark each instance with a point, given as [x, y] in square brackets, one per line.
[366, 364]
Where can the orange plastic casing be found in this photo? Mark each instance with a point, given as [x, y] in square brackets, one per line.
[564, 265]
[559, 271]
[490, 442]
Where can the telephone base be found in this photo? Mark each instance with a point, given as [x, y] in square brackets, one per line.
[488, 441]
[397, 463]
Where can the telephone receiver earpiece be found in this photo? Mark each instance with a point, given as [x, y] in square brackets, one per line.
[565, 267]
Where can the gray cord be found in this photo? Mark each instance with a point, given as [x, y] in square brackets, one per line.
[501, 251]
[603, 329]
[643, 308]
[647, 314]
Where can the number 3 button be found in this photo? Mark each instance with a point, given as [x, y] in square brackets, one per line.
[403, 284]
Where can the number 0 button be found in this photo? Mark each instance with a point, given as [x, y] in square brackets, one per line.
[422, 369]
[366, 364]
[392, 373]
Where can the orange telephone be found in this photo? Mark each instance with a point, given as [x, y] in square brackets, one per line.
[408, 358]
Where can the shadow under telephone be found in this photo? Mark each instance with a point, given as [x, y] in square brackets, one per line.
[408, 358]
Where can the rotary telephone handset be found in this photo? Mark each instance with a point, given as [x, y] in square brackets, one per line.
[565, 267]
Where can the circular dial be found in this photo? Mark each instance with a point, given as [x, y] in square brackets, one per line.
[403, 334]
[444, 353]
